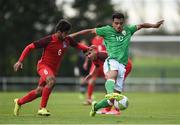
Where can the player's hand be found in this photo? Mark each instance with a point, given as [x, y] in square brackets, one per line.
[18, 65]
[87, 77]
[158, 24]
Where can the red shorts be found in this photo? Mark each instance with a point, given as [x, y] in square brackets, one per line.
[128, 68]
[99, 73]
[44, 71]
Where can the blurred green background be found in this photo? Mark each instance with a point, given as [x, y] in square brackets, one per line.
[22, 22]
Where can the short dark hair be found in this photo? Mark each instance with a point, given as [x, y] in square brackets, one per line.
[117, 15]
[63, 26]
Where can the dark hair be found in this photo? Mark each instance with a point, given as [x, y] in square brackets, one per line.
[63, 26]
[117, 15]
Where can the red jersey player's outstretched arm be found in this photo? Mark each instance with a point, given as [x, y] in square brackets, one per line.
[37, 44]
[25, 52]
[93, 71]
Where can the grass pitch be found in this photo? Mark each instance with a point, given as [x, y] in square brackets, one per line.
[67, 108]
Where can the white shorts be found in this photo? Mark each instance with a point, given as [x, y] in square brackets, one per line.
[112, 64]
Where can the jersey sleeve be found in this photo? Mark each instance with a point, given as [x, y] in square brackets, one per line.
[102, 31]
[26, 51]
[43, 42]
[96, 63]
[72, 43]
[132, 28]
[102, 55]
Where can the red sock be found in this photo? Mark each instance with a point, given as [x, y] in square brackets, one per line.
[45, 96]
[28, 98]
[90, 90]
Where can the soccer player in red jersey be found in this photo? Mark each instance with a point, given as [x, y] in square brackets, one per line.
[97, 70]
[54, 46]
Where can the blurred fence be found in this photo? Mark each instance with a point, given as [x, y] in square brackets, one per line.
[72, 84]
[162, 46]
[141, 79]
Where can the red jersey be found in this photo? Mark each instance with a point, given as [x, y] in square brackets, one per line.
[98, 42]
[54, 50]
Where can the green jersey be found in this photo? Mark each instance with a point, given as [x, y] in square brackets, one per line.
[117, 43]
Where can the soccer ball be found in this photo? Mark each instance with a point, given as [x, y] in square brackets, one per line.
[121, 104]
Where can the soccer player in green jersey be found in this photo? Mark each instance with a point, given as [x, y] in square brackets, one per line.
[116, 38]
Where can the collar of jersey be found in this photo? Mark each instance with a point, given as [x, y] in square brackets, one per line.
[55, 38]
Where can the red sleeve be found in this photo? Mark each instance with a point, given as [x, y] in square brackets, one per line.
[82, 47]
[26, 51]
[43, 42]
[102, 55]
[96, 63]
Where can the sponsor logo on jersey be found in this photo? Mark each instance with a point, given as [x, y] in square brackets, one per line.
[124, 32]
[64, 45]
[45, 71]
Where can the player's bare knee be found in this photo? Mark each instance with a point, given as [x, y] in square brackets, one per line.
[91, 81]
[111, 74]
[50, 81]
[39, 91]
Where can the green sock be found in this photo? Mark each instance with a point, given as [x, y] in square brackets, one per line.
[102, 104]
[109, 85]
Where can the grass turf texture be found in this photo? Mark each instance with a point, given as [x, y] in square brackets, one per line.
[66, 108]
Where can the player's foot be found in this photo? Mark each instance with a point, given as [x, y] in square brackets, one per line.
[88, 102]
[93, 111]
[43, 112]
[113, 112]
[116, 96]
[103, 111]
[17, 107]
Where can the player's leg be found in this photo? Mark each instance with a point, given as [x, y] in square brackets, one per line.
[99, 73]
[47, 74]
[50, 80]
[119, 80]
[101, 104]
[91, 82]
[118, 87]
[90, 89]
[32, 95]
[111, 73]
[128, 68]
[111, 68]
[82, 87]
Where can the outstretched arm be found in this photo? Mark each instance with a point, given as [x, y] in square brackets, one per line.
[37, 44]
[92, 73]
[150, 25]
[25, 52]
[82, 32]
